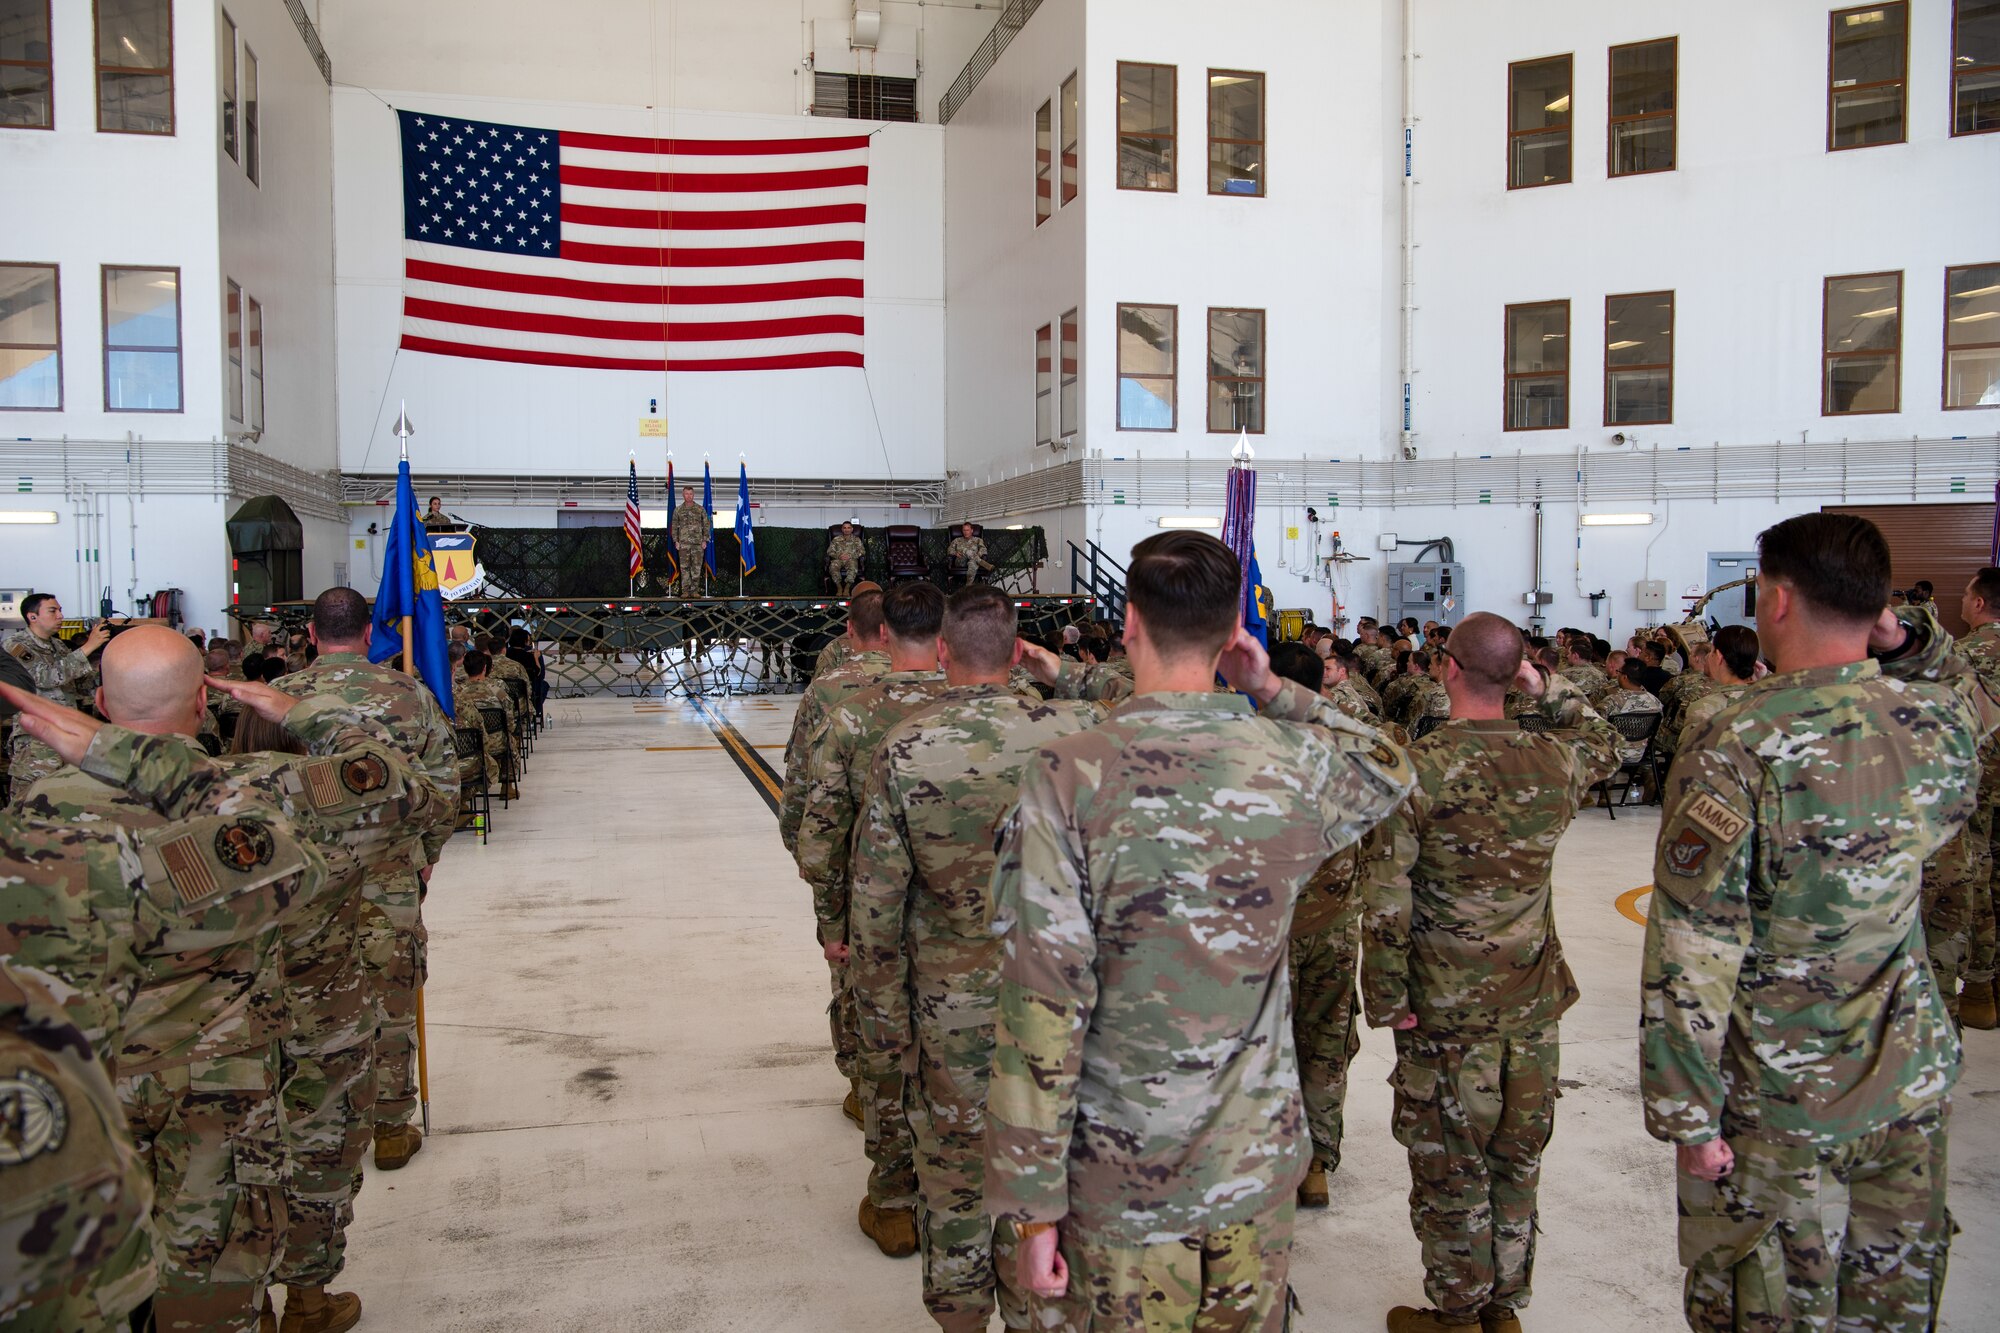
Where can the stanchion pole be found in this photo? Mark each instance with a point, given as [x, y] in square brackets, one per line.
[423, 1065]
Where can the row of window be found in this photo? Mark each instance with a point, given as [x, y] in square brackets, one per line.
[1055, 386]
[1149, 369]
[241, 95]
[1046, 135]
[1149, 129]
[135, 66]
[142, 342]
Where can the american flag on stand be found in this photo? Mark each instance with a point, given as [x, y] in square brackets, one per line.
[556, 248]
[632, 519]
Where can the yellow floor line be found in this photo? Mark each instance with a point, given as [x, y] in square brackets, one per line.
[1628, 903]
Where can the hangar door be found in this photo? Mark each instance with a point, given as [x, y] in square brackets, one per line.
[1946, 544]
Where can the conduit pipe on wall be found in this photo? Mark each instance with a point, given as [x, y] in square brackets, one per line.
[1407, 359]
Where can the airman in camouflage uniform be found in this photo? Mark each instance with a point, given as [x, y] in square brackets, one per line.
[837, 764]
[693, 530]
[1143, 1114]
[925, 964]
[503, 754]
[843, 558]
[1460, 956]
[505, 669]
[1584, 672]
[1677, 694]
[61, 674]
[861, 668]
[1793, 1044]
[76, 1250]
[966, 556]
[1973, 852]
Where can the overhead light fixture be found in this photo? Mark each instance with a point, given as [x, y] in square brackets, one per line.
[1872, 16]
[1877, 314]
[1977, 291]
[1616, 520]
[1974, 319]
[1560, 106]
[27, 515]
[1621, 346]
[1016, 527]
[1189, 521]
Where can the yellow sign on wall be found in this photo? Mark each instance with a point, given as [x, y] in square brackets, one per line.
[652, 428]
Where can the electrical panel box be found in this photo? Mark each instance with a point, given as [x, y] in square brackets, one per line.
[1428, 591]
[1386, 542]
[1650, 595]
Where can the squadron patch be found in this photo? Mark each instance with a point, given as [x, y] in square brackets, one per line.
[1383, 755]
[188, 869]
[1687, 854]
[1716, 818]
[33, 1117]
[244, 845]
[364, 774]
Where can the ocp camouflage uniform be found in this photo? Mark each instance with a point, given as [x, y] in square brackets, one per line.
[1362, 686]
[93, 913]
[827, 689]
[692, 532]
[1981, 649]
[1376, 661]
[843, 560]
[62, 674]
[1592, 679]
[502, 751]
[1677, 696]
[837, 766]
[1460, 932]
[837, 650]
[1411, 698]
[76, 1250]
[926, 966]
[393, 939]
[1623, 700]
[1143, 1092]
[1100, 683]
[1787, 1006]
[965, 555]
[1349, 698]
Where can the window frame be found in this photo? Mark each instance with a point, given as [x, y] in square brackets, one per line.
[1673, 316]
[56, 271]
[1951, 105]
[1826, 357]
[1172, 377]
[253, 152]
[1612, 120]
[104, 272]
[1262, 141]
[1569, 178]
[1069, 368]
[1902, 82]
[232, 89]
[1173, 138]
[48, 67]
[253, 370]
[1045, 141]
[170, 71]
[1261, 379]
[1508, 375]
[232, 356]
[1045, 385]
[1069, 140]
[1944, 361]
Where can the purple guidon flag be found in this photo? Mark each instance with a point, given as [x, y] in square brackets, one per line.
[554, 248]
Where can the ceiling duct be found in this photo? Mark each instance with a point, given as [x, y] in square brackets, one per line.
[867, 25]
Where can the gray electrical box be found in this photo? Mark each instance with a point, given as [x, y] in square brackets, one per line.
[1650, 595]
[1428, 591]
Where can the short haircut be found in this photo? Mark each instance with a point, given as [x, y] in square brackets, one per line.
[477, 663]
[1295, 661]
[215, 661]
[1837, 563]
[1924, 586]
[33, 603]
[1440, 635]
[980, 626]
[864, 615]
[519, 637]
[1488, 650]
[1189, 589]
[914, 611]
[1986, 586]
[1739, 648]
[253, 666]
[1584, 649]
[457, 652]
[1653, 652]
[272, 668]
[340, 615]
[485, 643]
[234, 648]
[1634, 671]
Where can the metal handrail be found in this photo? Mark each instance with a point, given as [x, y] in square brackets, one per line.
[1100, 583]
[1012, 19]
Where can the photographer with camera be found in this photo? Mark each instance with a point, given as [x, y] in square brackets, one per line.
[60, 673]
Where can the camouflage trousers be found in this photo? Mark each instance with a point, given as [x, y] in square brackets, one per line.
[1810, 1240]
[1475, 1118]
[892, 1170]
[1323, 969]
[691, 572]
[844, 572]
[1957, 901]
[394, 948]
[968, 1259]
[28, 762]
[844, 1022]
[1983, 950]
[1229, 1281]
[211, 1134]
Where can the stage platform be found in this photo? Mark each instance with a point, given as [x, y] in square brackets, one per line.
[669, 647]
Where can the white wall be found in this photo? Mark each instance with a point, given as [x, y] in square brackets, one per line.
[1744, 232]
[478, 416]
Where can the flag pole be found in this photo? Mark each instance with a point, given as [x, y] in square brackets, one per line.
[423, 1065]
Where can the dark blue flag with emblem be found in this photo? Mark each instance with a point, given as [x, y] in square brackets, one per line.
[410, 588]
[746, 536]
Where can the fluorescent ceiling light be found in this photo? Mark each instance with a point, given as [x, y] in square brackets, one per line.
[1621, 346]
[1974, 319]
[1616, 520]
[27, 515]
[1560, 105]
[1016, 527]
[1877, 314]
[1977, 291]
[1872, 16]
[1225, 80]
[1189, 521]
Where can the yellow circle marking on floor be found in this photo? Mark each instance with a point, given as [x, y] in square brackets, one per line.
[1628, 903]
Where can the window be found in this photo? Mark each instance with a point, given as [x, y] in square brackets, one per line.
[234, 326]
[1044, 386]
[30, 339]
[251, 166]
[1045, 202]
[135, 67]
[1538, 366]
[1146, 119]
[27, 100]
[1972, 336]
[864, 97]
[1236, 371]
[1863, 344]
[1146, 366]
[1538, 122]
[253, 360]
[142, 339]
[228, 35]
[1639, 359]
[1066, 378]
[1235, 132]
[1975, 67]
[1072, 131]
[1644, 78]
[1867, 60]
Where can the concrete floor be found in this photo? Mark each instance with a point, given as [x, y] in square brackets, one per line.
[637, 1121]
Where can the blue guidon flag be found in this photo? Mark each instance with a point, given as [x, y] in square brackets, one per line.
[607, 251]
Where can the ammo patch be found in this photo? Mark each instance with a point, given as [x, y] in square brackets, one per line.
[244, 845]
[364, 774]
[193, 879]
[322, 785]
[1718, 819]
[33, 1117]
[1687, 854]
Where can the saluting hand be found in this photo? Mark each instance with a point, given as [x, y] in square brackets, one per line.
[1530, 681]
[266, 701]
[1247, 668]
[1042, 664]
[63, 730]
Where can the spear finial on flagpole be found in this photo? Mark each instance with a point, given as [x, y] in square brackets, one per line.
[1243, 453]
[403, 430]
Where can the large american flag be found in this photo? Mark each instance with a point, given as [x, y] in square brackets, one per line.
[555, 248]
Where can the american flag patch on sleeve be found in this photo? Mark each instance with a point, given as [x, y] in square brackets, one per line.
[192, 876]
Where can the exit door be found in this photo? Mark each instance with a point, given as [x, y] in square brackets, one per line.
[1732, 608]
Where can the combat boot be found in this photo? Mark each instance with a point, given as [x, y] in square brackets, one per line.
[894, 1230]
[1312, 1190]
[1404, 1319]
[396, 1145]
[313, 1310]
[1976, 1006]
[851, 1107]
[1499, 1319]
